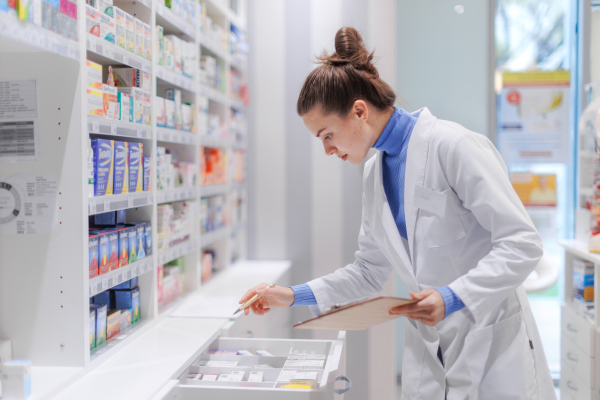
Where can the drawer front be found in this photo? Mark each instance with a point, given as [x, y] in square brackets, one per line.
[577, 328]
[575, 359]
[571, 386]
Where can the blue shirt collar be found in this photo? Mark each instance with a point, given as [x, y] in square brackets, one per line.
[396, 132]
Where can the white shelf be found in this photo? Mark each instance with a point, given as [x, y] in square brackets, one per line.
[178, 250]
[214, 141]
[115, 277]
[237, 104]
[177, 194]
[238, 145]
[102, 204]
[31, 35]
[213, 47]
[105, 52]
[580, 249]
[130, 333]
[213, 190]
[213, 95]
[208, 238]
[114, 127]
[175, 79]
[238, 185]
[175, 136]
[172, 22]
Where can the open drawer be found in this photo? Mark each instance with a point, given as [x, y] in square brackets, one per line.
[243, 368]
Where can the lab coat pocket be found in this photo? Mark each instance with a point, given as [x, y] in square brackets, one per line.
[438, 217]
[412, 360]
[501, 362]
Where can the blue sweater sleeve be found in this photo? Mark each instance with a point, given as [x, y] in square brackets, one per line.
[451, 300]
[304, 295]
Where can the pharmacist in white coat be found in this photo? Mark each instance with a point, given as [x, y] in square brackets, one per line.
[438, 209]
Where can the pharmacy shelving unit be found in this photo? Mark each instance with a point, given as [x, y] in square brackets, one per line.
[580, 332]
[44, 285]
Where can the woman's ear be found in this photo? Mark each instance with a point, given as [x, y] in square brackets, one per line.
[360, 109]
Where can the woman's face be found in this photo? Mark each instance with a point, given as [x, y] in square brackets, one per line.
[348, 137]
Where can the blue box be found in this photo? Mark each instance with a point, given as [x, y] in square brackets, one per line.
[136, 168]
[123, 246]
[108, 219]
[103, 166]
[141, 239]
[92, 328]
[100, 322]
[130, 284]
[132, 243]
[113, 243]
[148, 238]
[125, 299]
[105, 299]
[121, 163]
[146, 173]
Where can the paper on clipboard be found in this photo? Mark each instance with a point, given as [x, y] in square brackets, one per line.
[356, 316]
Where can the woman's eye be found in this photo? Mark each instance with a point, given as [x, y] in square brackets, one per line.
[327, 137]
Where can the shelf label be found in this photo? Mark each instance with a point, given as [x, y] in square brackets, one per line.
[113, 128]
[108, 50]
[70, 50]
[124, 276]
[149, 199]
[104, 284]
[130, 201]
[92, 45]
[134, 271]
[125, 59]
[92, 206]
[139, 132]
[106, 205]
[95, 126]
[52, 45]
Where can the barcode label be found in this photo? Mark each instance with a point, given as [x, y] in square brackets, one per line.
[17, 139]
[18, 120]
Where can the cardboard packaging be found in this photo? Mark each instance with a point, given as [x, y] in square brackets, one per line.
[120, 36]
[16, 379]
[159, 43]
[132, 243]
[94, 75]
[136, 95]
[103, 166]
[147, 166]
[113, 323]
[130, 32]
[121, 156]
[138, 37]
[92, 328]
[113, 240]
[167, 61]
[110, 102]
[126, 319]
[147, 107]
[100, 322]
[107, 28]
[159, 107]
[93, 255]
[92, 20]
[136, 171]
[123, 246]
[126, 106]
[147, 41]
[148, 238]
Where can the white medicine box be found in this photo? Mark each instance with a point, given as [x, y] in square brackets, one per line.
[233, 368]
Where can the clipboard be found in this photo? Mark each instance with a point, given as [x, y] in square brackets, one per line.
[357, 315]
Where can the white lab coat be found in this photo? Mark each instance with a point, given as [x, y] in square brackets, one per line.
[467, 229]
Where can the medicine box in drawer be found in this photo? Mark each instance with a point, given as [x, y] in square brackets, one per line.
[263, 369]
[578, 329]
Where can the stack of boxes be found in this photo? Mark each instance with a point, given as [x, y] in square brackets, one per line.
[114, 25]
[583, 285]
[113, 311]
[119, 167]
[210, 74]
[213, 213]
[170, 281]
[175, 54]
[172, 113]
[174, 224]
[113, 243]
[173, 173]
[213, 166]
[58, 16]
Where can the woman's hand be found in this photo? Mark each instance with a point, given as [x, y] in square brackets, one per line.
[277, 297]
[430, 309]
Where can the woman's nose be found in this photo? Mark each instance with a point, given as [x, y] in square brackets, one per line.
[329, 150]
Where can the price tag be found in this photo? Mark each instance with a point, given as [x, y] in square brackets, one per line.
[70, 50]
[116, 280]
[130, 201]
[106, 205]
[134, 271]
[125, 59]
[93, 45]
[149, 199]
[95, 126]
[113, 128]
[104, 284]
[167, 137]
[92, 206]
[108, 50]
[124, 276]
[139, 132]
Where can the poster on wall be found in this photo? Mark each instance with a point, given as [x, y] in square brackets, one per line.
[533, 117]
[535, 190]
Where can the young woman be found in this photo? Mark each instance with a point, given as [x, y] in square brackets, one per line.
[438, 209]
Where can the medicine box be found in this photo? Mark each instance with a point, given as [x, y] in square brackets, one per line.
[63, 18]
[141, 239]
[159, 107]
[103, 252]
[147, 107]
[176, 50]
[92, 20]
[129, 32]
[105, 7]
[121, 156]
[186, 118]
[110, 102]
[136, 172]
[92, 328]
[583, 283]
[119, 15]
[167, 53]
[146, 178]
[93, 255]
[123, 246]
[169, 113]
[113, 248]
[136, 96]
[138, 37]
[100, 322]
[132, 243]
[94, 75]
[147, 41]
[148, 238]
[159, 43]
[126, 319]
[95, 102]
[16, 379]
[126, 298]
[125, 77]
[145, 82]
[73, 26]
[113, 323]
[126, 106]
[103, 166]
[107, 28]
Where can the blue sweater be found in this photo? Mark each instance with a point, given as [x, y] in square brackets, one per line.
[393, 143]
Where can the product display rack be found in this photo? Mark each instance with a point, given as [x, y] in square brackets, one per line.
[58, 276]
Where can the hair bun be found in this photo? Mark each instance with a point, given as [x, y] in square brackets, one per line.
[349, 48]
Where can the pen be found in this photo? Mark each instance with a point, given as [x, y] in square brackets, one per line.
[252, 300]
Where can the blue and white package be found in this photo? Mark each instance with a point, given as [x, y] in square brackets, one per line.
[103, 166]
[146, 173]
[141, 239]
[136, 173]
[120, 167]
[148, 238]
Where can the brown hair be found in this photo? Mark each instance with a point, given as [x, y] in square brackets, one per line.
[343, 77]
